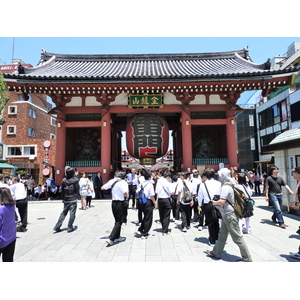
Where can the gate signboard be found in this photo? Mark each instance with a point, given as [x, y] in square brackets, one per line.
[145, 100]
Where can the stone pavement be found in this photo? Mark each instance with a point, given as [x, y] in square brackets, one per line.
[267, 242]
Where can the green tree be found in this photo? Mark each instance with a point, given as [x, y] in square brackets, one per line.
[3, 95]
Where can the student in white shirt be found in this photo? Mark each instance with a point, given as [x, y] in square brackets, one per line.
[119, 191]
[163, 192]
[147, 208]
[185, 207]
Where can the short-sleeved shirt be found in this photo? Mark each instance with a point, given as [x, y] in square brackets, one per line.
[148, 188]
[118, 189]
[226, 194]
[180, 188]
[213, 186]
[163, 188]
[275, 184]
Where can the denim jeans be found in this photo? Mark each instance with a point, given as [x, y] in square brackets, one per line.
[277, 202]
[67, 207]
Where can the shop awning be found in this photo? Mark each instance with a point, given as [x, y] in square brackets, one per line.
[287, 140]
[6, 166]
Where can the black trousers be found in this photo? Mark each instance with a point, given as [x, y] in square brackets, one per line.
[213, 225]
[147, 210]
[175, 209]
[22, 206]
[8, 252]
[186, 214]
[140, 212]
[88, 200]
[131, 194]
[164, 209]
[118, 210]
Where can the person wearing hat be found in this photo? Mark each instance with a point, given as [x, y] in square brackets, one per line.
[230, 220]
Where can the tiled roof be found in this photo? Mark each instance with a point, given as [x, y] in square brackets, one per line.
[142, 67]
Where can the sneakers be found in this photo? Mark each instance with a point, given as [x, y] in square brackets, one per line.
[295, 255]
[184, 229]
[283, 226]
[200, 228]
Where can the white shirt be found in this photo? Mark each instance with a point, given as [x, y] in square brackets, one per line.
[7, 186]
[163, 188]
[148, 188]
[180, 188]
[214, 188]
[118, 189]
[174, 187]
[18, 190]
[195, 183]
[245, 189]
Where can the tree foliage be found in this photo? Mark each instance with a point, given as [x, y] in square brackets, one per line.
[3, 94]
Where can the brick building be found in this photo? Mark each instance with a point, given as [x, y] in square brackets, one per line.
[27, 127]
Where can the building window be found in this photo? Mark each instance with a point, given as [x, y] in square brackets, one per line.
[31, 132]
[52, 136]
[21, 150]
[14, 151]
[53, 121]
[32, 113]
[29, 150]
[11, 129]
[20, 98]
[12, 110]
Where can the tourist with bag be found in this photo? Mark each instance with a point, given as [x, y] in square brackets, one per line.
[147, 206]
[185, 200]
[230, 220]
[244, 186]
[210, 189]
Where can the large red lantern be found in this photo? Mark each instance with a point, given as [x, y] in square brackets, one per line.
[147, 137]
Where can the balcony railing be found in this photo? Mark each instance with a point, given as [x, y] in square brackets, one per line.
[209, 161]
[83, 163]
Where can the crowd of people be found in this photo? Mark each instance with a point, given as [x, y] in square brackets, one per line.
[206, 199]
[167, 192]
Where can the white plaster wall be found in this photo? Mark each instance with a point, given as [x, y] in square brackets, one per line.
[75, 101]
[91, 101]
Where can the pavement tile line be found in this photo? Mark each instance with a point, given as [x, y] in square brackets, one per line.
[267, 242]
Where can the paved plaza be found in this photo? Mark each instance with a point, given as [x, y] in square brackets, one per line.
[267, 242]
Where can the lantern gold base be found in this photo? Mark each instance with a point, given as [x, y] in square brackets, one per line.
[148, 161]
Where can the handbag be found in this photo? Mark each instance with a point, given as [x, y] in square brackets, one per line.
[248, 205]
[215, 213]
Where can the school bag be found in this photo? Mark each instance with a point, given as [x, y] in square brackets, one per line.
[186, 194]
[240, 202]
[140, 195]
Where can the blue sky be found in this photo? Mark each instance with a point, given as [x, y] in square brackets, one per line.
[29, 48]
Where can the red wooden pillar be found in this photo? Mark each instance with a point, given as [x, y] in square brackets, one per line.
[186, 130]
[60, 148]
[106, 146]
[231, 142]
